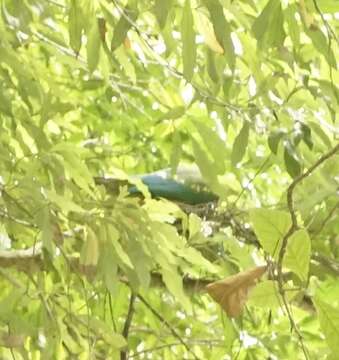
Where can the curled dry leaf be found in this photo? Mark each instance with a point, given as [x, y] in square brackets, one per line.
[231, 293]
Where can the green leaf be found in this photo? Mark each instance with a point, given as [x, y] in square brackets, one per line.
[64, 203]
[205, 164]
[44, 223]
[240, 144]
[113, 237]
[274, 139]
[307, 136]
[108, 265]
[173, 113]
[293, 27]
[270, 226]
[89, 255]
[329, 6]
[195, 258]
[173, 282]
[216, 147]
[116, 340]
[211, 66]
[298, 254]
[265, 295]
[75, 166]
[268, 26]
[222, 29]
[75, 25]
[161, 11]
[208, 170]
[291, 159]
[93, 45]
[194, 225]
[329, 322]
[188, 41]
[328, 290]
[130, 14]
[320, 133]
[230, 334]
[320, 42]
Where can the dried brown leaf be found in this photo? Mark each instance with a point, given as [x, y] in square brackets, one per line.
[232, 292]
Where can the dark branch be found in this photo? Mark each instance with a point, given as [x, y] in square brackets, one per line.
[127, 325]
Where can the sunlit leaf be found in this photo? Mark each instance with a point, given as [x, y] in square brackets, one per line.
[174, 284]
[240, 144]
[188, 41]
[270, 226]
[268, 26]
[64, 203]
[274, 139]
[89, 255]
[329, 322]
[75, 25]
[214, 144]
[292, 161]
[125, 23]
[161, 10]
[113, 237]
[93, 46]
[320, 42]
[205, 27]
[298, 254]
[222, 29]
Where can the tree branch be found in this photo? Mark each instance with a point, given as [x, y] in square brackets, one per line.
[127, 325]
[26, 260]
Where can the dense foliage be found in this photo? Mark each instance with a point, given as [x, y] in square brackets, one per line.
[91, 89]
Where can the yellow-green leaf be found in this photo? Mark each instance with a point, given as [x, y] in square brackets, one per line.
[75, 25]
[298, 253]
[292, 161]
[216, 147]
[222, 29]
[125, 23]
[188, 41]
[93, 46]
[161, 10]
[113, 236]
[240, 144]
[90, 251]
[270, 226]
[174, 284]
[329, 322]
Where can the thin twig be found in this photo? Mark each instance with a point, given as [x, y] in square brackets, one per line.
[127, 325]
[327, 219]
[203, 342]
[167, 324]
[252, 179]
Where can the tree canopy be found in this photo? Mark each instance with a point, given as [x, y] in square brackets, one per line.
[96, 92]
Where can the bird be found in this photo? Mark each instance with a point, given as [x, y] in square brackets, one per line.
[186, 187]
